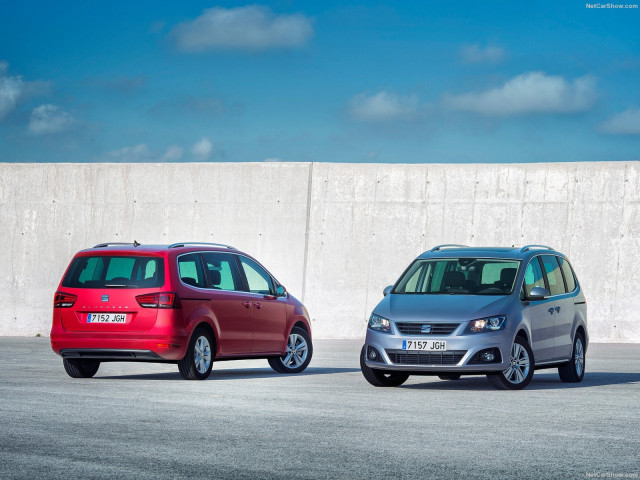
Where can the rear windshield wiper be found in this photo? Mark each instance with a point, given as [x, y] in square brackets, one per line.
[117, 285]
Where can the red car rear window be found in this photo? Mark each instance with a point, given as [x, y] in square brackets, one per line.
[115, 271]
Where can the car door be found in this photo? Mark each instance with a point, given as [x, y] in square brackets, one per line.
[269, 311]
[230, 304]
[540, 314]
[563, 307]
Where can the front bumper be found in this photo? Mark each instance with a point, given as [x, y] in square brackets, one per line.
[459, 357]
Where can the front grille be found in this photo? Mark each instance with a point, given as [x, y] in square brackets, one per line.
[404, 357]
[413, 328]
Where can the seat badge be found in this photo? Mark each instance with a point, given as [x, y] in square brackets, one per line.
[105, 298]
[425, 329]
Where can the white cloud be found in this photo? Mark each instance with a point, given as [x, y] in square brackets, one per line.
[203, 148]
[10, 90]
[623, 123]
[244, 28]
[477, 54]
[529, 93]
[137, 153]
[173, 153]
[49, 119]
[383, 106]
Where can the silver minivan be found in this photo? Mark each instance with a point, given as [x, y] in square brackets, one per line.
[458, 310]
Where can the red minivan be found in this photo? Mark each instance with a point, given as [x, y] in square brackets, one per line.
[185, 303]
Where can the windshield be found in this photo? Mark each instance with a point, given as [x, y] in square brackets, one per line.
[459, 276]
[105, 271]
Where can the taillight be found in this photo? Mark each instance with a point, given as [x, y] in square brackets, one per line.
[158, 300]
[64, 300]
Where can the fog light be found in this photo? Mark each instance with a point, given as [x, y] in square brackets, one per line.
[487, 357]
[373, 354]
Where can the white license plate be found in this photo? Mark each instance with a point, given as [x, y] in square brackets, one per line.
[431, 345]
[107, 318]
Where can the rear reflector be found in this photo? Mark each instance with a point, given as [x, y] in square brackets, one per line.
[64, 300]
[158, 300]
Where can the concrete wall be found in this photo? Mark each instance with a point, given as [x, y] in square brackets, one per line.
[334, 234]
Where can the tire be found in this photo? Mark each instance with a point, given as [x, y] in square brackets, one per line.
[573, 370]
[76, 368]
[381, 378]
[519, 374]
[198, 361]
[298, 354]
[449, 376]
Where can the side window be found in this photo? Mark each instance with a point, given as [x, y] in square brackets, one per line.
[554, 277]
[190, 270]
[222, 272]
[569, 278]
[259, 281]
[533, 276]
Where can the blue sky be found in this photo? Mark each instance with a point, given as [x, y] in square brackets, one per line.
[402, 82]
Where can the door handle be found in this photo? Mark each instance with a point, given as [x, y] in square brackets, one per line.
[557, 309]
[551, 310]
[258, 305]
[246, 304]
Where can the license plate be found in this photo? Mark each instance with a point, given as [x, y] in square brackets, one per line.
[431, 345]
[107, 318]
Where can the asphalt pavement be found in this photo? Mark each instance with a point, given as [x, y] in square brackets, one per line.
[138, 420]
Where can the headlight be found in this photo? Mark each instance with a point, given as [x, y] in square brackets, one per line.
[379, 324]
[488, 324]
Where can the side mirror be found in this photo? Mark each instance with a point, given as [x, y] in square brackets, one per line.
[281, 291]
[538, 293]
[387, 290]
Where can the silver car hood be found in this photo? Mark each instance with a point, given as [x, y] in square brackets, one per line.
[440, 308]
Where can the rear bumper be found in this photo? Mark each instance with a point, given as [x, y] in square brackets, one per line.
[107, 347]
[113, 355]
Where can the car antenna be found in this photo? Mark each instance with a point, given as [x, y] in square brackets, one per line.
[135, 243]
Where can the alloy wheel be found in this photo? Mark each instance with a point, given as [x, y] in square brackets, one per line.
[202, 354]
[520, 364]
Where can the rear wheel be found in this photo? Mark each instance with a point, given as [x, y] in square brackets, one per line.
[520, 371]
[198, 361]
[76, 368]
[573, 370]
[449, 376]
[298, 353]
[380, 378]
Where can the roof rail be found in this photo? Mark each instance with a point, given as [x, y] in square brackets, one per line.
[446, 245]
[108, 244]
[530, 247]
[182, 244]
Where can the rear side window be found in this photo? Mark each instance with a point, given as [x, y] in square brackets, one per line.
[115, 271]
[569, 278]
[190, 270]
[222, 271]
[533, 276]
[554, 277]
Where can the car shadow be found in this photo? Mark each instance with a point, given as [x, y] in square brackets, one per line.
[540, 381]
[231, 374]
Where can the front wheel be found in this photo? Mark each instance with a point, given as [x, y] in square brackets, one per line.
[198, 361]
[380, 378]
[298, 353]
[573, 370]
[520, 371]
[76, 368]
